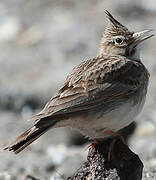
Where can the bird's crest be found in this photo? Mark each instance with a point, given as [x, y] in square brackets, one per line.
[115, 27]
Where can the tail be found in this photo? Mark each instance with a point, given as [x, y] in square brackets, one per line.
[28, 137]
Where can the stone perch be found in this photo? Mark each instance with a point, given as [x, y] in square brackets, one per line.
[124, 164]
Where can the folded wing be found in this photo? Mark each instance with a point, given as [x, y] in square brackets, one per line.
[93, 82]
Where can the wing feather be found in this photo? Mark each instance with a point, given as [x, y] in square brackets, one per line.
[94, 82]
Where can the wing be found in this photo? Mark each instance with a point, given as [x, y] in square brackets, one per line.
[94, 82]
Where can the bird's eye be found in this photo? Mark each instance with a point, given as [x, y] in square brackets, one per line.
[118, 40]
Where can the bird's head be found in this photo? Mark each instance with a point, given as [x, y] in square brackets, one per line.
[118, 40]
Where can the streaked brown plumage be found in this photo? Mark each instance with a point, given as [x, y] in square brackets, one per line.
[101, 94]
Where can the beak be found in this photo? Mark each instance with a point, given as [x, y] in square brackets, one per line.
[141, 36]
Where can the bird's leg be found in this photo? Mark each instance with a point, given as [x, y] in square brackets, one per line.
[116, 135]
[116, 138]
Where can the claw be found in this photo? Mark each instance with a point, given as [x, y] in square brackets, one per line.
[93, 145]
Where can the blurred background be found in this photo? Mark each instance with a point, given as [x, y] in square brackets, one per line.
[40, 42]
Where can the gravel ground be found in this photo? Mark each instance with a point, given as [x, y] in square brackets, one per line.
[40, 42]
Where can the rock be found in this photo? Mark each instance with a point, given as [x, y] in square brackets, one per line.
[122, 165]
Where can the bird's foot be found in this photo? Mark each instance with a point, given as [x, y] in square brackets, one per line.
[94, 144]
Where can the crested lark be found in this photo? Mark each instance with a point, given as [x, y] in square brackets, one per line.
[101, 95]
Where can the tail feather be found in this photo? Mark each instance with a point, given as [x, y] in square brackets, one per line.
[30, 135]
[26, 138]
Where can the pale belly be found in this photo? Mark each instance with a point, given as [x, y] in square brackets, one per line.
[96, 125]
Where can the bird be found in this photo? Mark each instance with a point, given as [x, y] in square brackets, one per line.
[101, 95]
